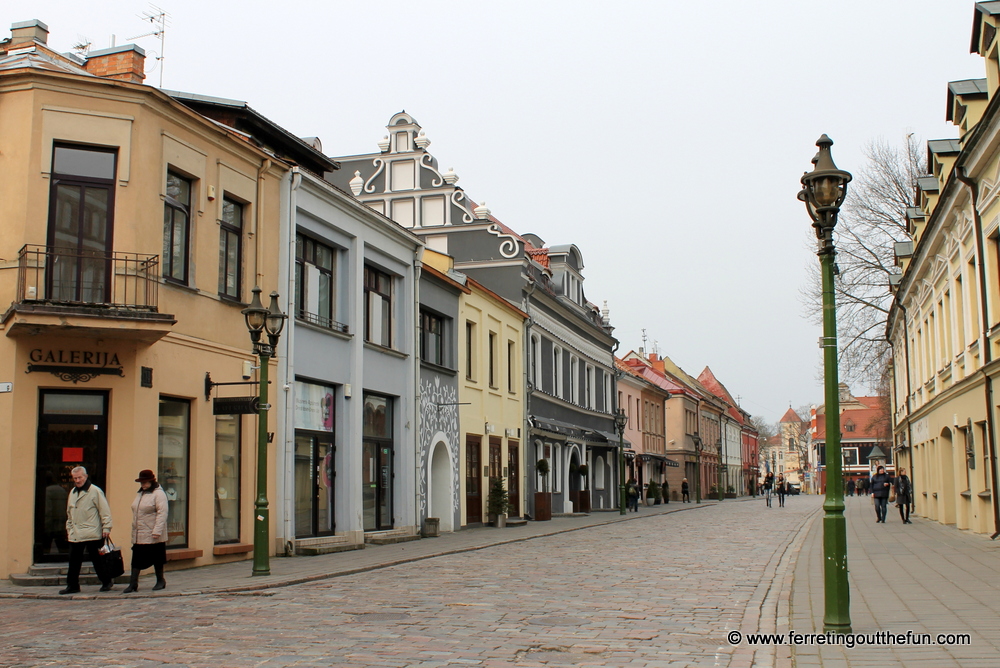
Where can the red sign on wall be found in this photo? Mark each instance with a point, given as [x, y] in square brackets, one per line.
[72, 455]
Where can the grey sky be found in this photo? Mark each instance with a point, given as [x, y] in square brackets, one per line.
[665, 139]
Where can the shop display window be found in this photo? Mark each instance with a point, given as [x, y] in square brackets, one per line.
[174, 456]
[227, 479]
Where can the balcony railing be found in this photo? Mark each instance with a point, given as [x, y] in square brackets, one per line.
[73, 277]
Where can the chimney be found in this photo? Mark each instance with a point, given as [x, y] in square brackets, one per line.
[26, 32]
[653, 357]
[124, 62]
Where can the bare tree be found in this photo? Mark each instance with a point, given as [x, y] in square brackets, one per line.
[872, 219]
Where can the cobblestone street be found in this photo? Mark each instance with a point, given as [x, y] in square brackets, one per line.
[661, 590]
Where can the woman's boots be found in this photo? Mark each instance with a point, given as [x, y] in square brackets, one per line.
[133, 583]
[160, 582]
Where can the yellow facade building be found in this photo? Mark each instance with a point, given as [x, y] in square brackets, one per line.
[133, 230]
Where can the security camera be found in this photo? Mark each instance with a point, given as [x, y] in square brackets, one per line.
[247, 370]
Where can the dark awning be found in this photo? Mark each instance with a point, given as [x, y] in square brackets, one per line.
[659, 458]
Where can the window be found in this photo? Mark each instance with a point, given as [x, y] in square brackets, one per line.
[511, 357]
[849, 426]
[174, 433]
[230, 248]
[850, 457]
[599, 473]
[589, 395]
[493, 359]
[535, 361]
[315, 283]
[557, 371]
[574, 379]
[470, 350]
[227, 479]
[176, 227]
[607, 392]
[431, 338]
[378, 307]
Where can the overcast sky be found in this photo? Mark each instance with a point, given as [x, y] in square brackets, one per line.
[665, 138]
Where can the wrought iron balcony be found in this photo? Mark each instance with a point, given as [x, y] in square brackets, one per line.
[92, 284]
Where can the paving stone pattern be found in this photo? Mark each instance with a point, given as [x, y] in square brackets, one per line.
[662, 589]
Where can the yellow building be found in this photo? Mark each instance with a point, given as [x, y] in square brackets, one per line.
[116, 202]
[491, 396]
[942, 325]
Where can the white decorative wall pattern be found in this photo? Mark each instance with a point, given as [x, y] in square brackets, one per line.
[438, 413]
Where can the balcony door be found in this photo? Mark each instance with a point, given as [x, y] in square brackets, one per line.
[81, 206]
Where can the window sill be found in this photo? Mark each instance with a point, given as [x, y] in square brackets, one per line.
[180, 286]
[439, 368]
[299, 322]
[387, 351]
[232, 301]
[183, 553]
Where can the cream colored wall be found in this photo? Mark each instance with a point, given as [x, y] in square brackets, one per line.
[209, 336]
[496, 405]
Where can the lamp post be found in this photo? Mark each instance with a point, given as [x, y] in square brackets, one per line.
[721, 491]
[823, 191]
[621, 419]
[697, 468]
[259, 320]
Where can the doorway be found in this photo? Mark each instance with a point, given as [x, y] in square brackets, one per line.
[377, 470]
[473, 480]
[315, 474]
[514, 477]
[72, 431]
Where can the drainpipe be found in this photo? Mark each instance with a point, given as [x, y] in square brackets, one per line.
[288, 379]
[909, 423]
[529, 445]
[417, 268]
[985, 345]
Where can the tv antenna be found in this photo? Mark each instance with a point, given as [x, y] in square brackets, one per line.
[82, 46]
[158, 18]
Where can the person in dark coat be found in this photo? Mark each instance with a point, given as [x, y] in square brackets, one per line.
[880, 484]
[850, 487]
[685, 491]
[780, 488]
[904, 495]
[768, 486]
[632, 491]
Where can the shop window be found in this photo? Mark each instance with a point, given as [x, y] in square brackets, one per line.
[378, 307]
[230, 248]
[176, 227]
[174, 456]
[315, 283]
[227, 479]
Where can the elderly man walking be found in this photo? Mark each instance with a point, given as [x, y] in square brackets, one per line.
[88, 523]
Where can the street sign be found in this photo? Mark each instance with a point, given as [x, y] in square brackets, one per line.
[235, 405]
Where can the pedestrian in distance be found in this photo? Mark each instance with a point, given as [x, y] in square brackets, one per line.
[850, 487]
[880, 484]
[780, 488]
[88, 524]
[632, 491]
[149, 531]
[665, 491]
[904, 495]
[685, 491]
[768, 486]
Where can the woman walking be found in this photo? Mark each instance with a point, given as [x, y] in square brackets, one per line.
[149, 530]
[903, 495]
[768, 486]
[880, 484]
[780, 489]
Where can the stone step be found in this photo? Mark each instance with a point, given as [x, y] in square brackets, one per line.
[57, 580]
[566, 515]
[315, 550]
[516, 522]
[58, 569]
[389, 537]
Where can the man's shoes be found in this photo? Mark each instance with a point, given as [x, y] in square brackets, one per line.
[907, 522]
[108, 586]
[70, 590]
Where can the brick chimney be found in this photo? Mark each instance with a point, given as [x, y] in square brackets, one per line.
[27, 32]
[126, 62]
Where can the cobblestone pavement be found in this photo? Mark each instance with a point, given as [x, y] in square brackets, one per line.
[661, 591]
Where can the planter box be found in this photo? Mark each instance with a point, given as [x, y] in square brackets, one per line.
[650, 501]
[543, 506]
[431, 527]
[730, 495]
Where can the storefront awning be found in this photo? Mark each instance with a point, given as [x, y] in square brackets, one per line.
[558, 428]
[659, 458]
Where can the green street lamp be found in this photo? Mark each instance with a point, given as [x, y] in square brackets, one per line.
[260, 320]
[823, 191]
[721, 491]
[621, 419]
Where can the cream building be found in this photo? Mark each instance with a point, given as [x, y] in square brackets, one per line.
[942, 325]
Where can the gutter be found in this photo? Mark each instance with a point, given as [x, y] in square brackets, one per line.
[288, 379]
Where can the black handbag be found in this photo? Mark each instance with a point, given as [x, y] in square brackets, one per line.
[109, 563]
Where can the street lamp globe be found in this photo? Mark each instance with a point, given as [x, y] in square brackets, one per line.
[255, 315]
[824, 188]
[275, 320]
[621, 419]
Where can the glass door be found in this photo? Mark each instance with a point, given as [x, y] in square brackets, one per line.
[513, 477]
[473, 480]
[314, 484]
[72, 431]
[377, 486]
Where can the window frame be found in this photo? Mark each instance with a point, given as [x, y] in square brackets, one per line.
[174, 206]
[372, 275]
[227, 230]
[428, 317]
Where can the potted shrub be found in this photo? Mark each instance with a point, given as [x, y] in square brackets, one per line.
[497, 502]
[652, 493]
[730, 492]
[583, 497]
[543, 499]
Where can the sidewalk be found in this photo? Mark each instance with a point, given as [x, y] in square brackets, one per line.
[923, 577]
[235, 576]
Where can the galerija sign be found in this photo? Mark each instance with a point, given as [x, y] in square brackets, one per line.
[75, 365]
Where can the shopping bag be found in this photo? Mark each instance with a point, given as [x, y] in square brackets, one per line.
[109, 562]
